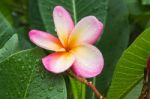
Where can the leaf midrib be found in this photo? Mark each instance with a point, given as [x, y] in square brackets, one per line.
[29, 83]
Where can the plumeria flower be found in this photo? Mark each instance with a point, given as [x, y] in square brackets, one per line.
[73, 47]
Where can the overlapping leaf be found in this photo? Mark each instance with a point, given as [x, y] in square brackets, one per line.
[10, 47]
[6, 31]
[114, 41]
[129, 70]
[22, 76]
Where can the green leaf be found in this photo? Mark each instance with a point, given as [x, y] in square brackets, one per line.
[23, 77]
[11, 46]
[135, 92]
[139, 14]
[77, 88]
[113, 42]
[5, 9]
[6, 31]
[148, 24]
[41, 18]
[145, 2]
[135, 7]
[24, 42]
[129, 69]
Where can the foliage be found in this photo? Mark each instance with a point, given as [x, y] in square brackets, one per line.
[22, 75]
[114, 41]
[129, 69]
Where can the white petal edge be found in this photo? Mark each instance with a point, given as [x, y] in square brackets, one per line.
[45, 40]
[88, 30]
[58, 62]
[89, 61]
[63, 24]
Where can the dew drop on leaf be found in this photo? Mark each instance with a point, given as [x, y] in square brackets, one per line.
[47, 97]
[19, 93]
[60, 90]
[19, 60]
[50, 88]
[42, 76]
[23, 67]
[37, 60]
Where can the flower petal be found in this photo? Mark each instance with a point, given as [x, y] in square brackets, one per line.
[88, 61]
[58, 62]
[87, 30]
[63, 23]
[45, 40]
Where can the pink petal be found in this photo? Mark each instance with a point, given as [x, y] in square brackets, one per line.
[63, 23]
[45, 40]
[88, 61]
[88, 30]
[58, 62]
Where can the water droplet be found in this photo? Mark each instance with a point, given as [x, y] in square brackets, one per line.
[50, 88]
[14, 13]
[19, 92]
[54, 97]
[26, 55]
[63, 1]
[96, 8]
[30, 66]
[48, 97]
[23, 67]
[37, 70]
[60, 90]
[19, 59]
[6, 48]
[37, 60]
[7, 94]
[21, 80]
[42, 76]
[52, 84]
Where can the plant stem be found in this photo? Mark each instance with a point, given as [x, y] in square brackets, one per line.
[74, 11]
[88, 83]
[94, 82]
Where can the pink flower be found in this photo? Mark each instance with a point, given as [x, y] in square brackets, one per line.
[73, 47]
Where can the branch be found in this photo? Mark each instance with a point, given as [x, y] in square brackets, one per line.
[88, 83]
